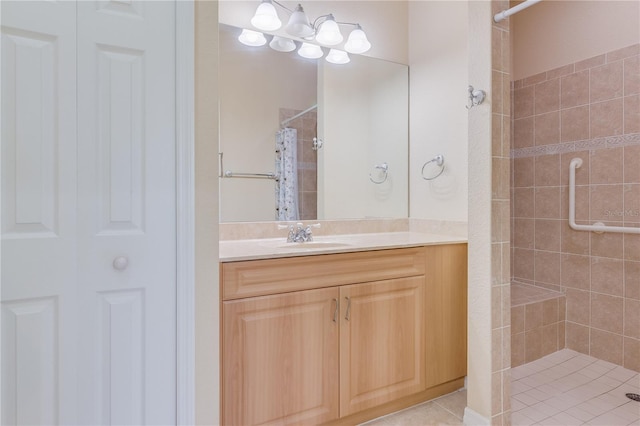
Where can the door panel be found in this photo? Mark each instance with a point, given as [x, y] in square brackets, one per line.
[38, 212]
[126, 188]
[88, 177]
[286, 342]
[382, 350]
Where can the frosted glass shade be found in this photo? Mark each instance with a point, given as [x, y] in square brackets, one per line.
[252, 38]
[339, 57]
[298, 24]
[282, 44]
[266, 17]
[310, 51]
[357, 42]
[329, 34]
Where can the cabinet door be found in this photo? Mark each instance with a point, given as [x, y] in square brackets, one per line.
[446, 313]
[280, 359]
[382, 355]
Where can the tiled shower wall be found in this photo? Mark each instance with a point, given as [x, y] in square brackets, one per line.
[589, 109]
[500, 220]
[306, 126]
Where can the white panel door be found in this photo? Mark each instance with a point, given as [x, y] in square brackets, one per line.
[126, 211]
[88, 213]
[38, 213]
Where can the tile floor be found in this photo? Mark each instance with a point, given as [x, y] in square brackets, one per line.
[446, 410]
[568, 388]
[562, 389]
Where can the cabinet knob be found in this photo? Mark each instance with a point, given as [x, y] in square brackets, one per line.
[120, 263]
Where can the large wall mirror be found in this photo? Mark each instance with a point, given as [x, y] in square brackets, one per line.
[346, 126]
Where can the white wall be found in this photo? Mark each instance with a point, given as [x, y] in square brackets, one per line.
[438, 57]
[362, 120]
[551, 34]
[257, 82]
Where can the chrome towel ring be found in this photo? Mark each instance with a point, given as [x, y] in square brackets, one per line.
[384, 172]
[439, 160]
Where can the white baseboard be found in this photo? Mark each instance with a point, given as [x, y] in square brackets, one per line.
[472, 418]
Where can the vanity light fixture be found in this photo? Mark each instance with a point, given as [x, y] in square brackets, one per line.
[252, 38]
[266, 17]
[310, 51]
[325, 30]
[338, 57]
[282, 44]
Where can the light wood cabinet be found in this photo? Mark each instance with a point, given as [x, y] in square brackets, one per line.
[281, 359]
[382, 355]
[341, 338]
[446, 312]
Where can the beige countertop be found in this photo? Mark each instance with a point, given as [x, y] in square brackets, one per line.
[269, 248]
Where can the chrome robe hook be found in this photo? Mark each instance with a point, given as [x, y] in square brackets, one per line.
[476, 97]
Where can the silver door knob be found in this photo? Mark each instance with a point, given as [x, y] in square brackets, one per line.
[120, 263]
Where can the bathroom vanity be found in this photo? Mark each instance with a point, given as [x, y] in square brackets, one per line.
[340, 332]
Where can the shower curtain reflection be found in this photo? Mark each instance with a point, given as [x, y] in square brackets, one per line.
[287, 171]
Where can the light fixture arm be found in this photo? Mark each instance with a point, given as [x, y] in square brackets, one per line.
[282, 6]
[316, 23]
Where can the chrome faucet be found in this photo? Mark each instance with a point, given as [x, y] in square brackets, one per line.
[299, 233]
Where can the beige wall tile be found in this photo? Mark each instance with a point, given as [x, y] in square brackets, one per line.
[523, 264]
[496, 349]
[607, 312]
[590, 63]
[577, 337]
[624, 52]
[560, 71]
[517, 319]
[606, 165]
[576, 271]
[631, 354]
[632, 279]
[606, 118]
[550, 311]
[532, 316]
[547, 96]
[632, 247]
[606, 82]
[606, 200]
[575, 124]
[517, 349]
[547, 170]
[631, 203]
[547, 127]
[523, 102]
[574, 89]
[523, 132]
[549, 338]
[607, 276]
[523, 172]
[547, 267]
[607, 244]
[632, 76]
[578, 307]
[631, 114]
[606, 346]
[523, 233]
[497, 103]
[523, 203]
[533, 344]
[632, 318]
[562, 335]
[535, 79]
[547, 202]
[547, 234]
